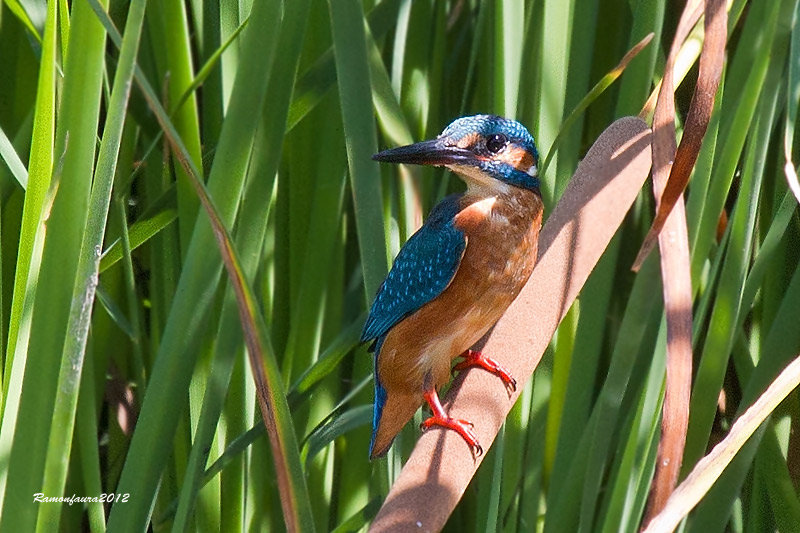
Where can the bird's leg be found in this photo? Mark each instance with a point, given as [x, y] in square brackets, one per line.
[440, 418]
[476, 358]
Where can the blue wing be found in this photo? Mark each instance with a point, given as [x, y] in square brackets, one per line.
[423, 269]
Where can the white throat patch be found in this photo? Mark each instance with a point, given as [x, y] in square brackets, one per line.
[476, 179]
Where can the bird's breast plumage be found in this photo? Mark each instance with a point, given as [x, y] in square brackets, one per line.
[501, 233]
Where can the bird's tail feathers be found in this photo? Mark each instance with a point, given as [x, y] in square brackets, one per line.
[389, 417]
[390, 412]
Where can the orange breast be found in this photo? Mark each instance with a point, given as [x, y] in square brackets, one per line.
[502, 233]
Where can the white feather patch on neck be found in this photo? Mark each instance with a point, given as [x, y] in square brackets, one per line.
[477, 179]
[485, 206]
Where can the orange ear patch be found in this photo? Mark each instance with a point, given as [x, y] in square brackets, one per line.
[517, 157]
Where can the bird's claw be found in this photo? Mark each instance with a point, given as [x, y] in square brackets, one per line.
[476, 358]
[463, 427]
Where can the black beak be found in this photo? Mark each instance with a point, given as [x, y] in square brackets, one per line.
[434, 152]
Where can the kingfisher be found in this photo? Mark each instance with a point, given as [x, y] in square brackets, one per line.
[455, 277]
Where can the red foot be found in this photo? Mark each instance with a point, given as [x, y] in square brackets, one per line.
[475, 358]
[440, 418]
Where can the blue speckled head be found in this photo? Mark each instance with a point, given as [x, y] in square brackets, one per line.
[504, 148]
[487, 125]
[480, 148]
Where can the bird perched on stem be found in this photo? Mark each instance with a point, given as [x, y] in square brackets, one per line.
[456, 276]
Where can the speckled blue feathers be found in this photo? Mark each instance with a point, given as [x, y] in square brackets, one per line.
[422, 270]
[485, 125]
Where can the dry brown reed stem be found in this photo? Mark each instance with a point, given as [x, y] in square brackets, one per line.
[672, 167]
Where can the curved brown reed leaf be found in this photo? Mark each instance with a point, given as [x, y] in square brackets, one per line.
[710, 467]
[711, 62]
[587, 216]
[689, 17]
[669, 180]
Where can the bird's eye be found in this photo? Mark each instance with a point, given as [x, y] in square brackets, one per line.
[496, 142]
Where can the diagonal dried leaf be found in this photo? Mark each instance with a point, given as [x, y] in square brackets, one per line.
[708, 469]
[669, 180]
[711, 61]
[695, 9]
[590, 211]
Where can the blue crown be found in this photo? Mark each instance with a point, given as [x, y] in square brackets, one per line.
[482, 128]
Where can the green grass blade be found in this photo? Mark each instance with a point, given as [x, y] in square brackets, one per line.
[598, 89]
[510, 27]
[173, 370]
[355, 96]
[42, 156]
[733, 133]
[359, 127]
[582, 474]
[360, 519]
[88, 447]
[229, 338]
[86, 279]
[785, 505]
[320, 438]
[139, 233]
[77, 130]
[211, 63]
[553, 62]
[327, 362]
[318, 79]
[169, 30]
[12, 160]
[713, 512]
[625, 502]
[19, 11]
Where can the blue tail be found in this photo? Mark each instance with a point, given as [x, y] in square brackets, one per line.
[380, 394]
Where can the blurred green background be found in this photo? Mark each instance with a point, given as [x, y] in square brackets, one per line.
[136, 383]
